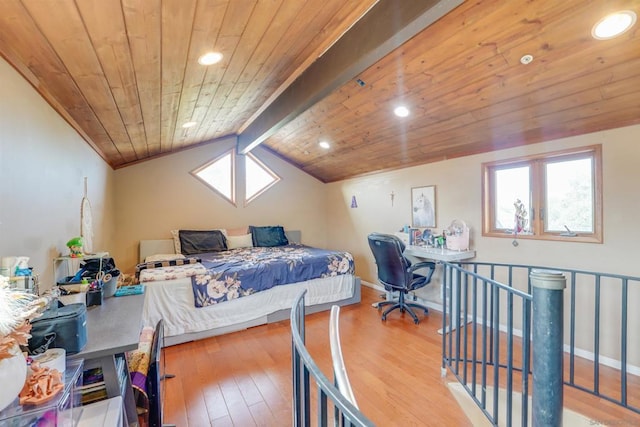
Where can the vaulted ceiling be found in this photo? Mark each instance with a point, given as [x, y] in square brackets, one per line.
[125, 75]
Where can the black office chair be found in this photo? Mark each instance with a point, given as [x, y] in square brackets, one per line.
[397, 273]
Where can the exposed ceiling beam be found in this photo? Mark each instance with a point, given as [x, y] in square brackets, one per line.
[385, 27]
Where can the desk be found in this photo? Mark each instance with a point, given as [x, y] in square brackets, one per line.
[438, 254]
[113, 328]
[423, 253]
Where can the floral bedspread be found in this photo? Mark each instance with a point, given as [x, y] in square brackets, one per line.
[239, 272]
[170, 272]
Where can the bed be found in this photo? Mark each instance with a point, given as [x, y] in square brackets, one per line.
[174, 289]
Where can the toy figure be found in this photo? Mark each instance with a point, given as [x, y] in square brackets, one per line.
[75, 247]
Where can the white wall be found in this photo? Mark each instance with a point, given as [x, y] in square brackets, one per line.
[160, 195]
[458, 196]
[43, 162]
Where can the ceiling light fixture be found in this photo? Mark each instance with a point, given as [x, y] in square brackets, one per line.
[401, 111]
[189, 124]
[210, 58]
[526, 59]
[324, 144]
[613, 25]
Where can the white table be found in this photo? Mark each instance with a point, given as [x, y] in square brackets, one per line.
[425, 253]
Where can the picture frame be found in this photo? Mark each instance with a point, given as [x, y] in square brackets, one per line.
[423, 206]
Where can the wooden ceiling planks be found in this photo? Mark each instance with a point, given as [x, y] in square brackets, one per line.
[177, 24]
[200, 82]
[105, 25]
[23, 45]
[143, 23]
[470, 93]
[124, 73]
[61, 23]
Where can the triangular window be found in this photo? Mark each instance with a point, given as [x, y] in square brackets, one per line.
[258, 178]
[219, 175]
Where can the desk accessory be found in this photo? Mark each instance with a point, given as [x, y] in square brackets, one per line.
[457, 236]
[129, 290]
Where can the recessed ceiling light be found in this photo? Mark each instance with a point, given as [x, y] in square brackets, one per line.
[189, 124]
[401, 111]
[526, 59]
[613, 25]
[210, 58]
[324, 144]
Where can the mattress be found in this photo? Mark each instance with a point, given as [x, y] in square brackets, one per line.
[173, 301]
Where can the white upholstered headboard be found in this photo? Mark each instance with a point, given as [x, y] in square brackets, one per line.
[165, 246]
[153, 247]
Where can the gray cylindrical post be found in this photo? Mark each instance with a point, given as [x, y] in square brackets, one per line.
[548, 289]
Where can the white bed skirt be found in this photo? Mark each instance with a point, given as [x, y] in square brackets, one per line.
[172, 300]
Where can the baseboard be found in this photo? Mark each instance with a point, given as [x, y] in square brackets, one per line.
[585, 354]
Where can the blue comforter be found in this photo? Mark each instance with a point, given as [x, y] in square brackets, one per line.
[239, 272]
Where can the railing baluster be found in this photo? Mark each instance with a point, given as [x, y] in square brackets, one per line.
[474, 333]
[464, 324]
[509, 358]
[596, 338]
[623, 342]
[323, 418]
[526, 340]
[572, 330]
[456, 315]
[496, 351]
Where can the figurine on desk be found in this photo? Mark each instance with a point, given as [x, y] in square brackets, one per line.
[75, 247]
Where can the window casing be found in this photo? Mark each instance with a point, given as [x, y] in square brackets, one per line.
[219, 175]
[258, 178]
[560, 195]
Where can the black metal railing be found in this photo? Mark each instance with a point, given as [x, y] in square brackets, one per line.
[494, 305]
[305, 370]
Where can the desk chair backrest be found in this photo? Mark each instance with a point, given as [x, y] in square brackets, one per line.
[392, 265]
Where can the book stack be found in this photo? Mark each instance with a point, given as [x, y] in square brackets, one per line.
[93, 388]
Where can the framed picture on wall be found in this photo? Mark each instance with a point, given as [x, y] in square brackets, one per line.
[423, 206]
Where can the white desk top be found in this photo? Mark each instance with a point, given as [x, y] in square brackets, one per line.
[438, 254]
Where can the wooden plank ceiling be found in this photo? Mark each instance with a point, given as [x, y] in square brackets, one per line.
[124, 74]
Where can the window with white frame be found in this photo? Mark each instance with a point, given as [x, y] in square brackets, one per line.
[219, 175]
[553, 196]
[258, 178]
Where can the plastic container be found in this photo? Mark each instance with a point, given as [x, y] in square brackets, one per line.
[458, 236]
[109, 283]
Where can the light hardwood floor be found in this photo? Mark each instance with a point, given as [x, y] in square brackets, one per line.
[244, 378]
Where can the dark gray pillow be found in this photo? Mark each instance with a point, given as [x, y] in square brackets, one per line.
[201, 241]
[268, 236]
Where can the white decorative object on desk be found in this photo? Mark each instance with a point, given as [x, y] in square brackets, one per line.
[17, 308]
[458, 236]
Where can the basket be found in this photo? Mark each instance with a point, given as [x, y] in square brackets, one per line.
[458, 236]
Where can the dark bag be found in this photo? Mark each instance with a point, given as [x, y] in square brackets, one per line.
[60, 326]
[93, 267]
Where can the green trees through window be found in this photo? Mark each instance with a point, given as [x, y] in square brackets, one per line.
[554, 196]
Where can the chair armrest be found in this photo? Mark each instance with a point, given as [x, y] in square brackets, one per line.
[425, 264]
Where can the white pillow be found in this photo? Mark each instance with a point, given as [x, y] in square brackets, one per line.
[176, 238]
[163, 257]
[243, 241]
